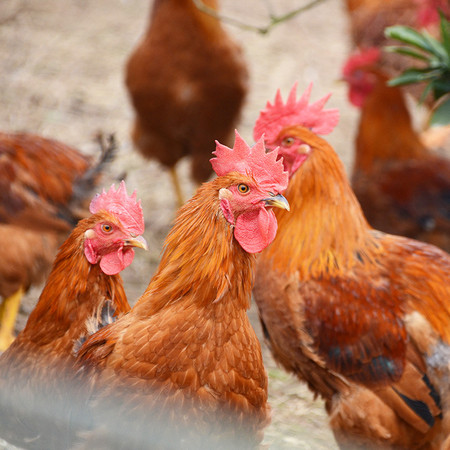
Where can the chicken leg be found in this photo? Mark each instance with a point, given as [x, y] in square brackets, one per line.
[8, 313]
[177, 186]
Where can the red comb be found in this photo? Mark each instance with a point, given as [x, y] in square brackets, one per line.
[275, 117]
[253, 161]
[361, 58]
[428, 11]
[119, 203]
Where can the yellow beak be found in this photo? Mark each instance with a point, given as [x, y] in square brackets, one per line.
[277, 201]
[137, 241]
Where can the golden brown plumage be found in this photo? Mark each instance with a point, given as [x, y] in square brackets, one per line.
[43, 187]
[363, 317]
[36, 369]
[187, 81]
[184, 368]
[403, 186]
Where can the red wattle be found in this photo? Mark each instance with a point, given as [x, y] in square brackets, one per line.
[255, 230]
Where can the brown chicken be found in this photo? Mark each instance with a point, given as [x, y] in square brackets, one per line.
[369, 18]
[187, 81]
[183, 369]
[43, 187]
[361, 316]
[402, 186]
[84, 290]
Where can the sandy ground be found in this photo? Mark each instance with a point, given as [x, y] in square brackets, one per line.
[61, 75]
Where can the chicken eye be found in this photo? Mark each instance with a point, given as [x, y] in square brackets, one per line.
[243, 188]
[107, 228]
[287, 142]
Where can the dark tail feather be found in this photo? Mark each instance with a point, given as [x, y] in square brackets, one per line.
[84, 187]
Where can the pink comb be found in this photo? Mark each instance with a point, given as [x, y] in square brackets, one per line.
[119, 203]
[361, 58]
[253, 161]
[280, 115]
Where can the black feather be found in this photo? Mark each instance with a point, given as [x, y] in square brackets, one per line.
[433, 393]
[419, 407]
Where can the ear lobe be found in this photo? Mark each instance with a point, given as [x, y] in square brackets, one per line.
[225, 193]
[304, 149]
[89, 234]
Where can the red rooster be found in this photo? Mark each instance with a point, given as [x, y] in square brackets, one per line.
[43, 187]
[84, 290]
[361, 316]
[184, 367]
[187, 81]
[402, 186]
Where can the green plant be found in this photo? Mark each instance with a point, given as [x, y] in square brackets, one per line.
[436, 71]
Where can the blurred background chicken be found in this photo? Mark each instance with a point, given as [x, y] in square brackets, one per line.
[84, 292]
[433, 75]
[187, 82]
[368, 20]
[361, 316]
[184, 369]
[43, 189]
[402, 186]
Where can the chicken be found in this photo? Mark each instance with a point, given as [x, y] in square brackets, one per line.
[187, 82]
[369, 18]
[84, 290]
[361, 316]
[183, 369]
[402, 186]
[43, 187]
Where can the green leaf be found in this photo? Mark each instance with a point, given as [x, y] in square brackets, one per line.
[441, 86]
[437, 48]
[441, 116]
[435, 55]
[425, 92]
[408, 36]
[415, 75]
[406, 51]
[445, 33]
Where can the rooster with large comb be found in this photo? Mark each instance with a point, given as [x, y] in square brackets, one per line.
[183, 369]
[361, 316]
[84, 291]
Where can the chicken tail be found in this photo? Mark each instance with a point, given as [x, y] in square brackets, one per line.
[84, 187]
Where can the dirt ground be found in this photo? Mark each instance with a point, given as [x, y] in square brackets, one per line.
[61, 75]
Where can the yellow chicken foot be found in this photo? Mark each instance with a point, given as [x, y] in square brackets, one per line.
[8, 314]
[176, 185]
